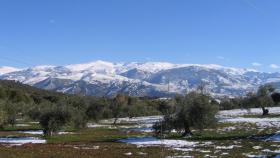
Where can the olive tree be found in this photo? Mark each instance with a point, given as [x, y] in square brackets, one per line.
[264, 98]
[3, 118]
[53, 119]
[118, 104]
[197, 111]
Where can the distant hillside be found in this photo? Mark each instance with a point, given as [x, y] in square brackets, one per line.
[18, 92]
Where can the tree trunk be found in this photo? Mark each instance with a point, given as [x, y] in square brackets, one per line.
[187, 131]
[265, 111]
[48, 133]
[1, 127]
[115, 121]
[45, 132]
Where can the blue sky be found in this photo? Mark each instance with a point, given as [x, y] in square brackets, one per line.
[238, 33]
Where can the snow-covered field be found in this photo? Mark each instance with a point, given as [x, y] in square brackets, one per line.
[22, 140]
[252, 111]
[237, 116]
[17, 141]
[260, 122]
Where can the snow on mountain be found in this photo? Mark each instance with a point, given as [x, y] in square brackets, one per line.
[6, 69]
[150, 66]
[140, 78]
[117, 68]
[99, 66]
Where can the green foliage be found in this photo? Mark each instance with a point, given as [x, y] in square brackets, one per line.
[165, 107]
[263, 98]
[53, 119]
[227, 105]
[196, 111]
[96, 109]
[199, 110]
[276, 97]
[118, 106]
[3, 116]
[79, 119]
[12, 110]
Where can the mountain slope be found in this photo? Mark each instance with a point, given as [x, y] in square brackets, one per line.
[101, 78]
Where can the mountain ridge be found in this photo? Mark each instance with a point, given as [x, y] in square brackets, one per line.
[102, 78]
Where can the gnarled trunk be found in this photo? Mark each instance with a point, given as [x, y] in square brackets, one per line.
[187, 131]
[115, 121]
[48, 133]
[265, 111]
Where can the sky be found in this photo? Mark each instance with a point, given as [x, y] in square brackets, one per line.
[235, 33]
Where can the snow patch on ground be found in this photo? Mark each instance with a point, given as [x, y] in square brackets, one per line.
[235, 116]
[241, 112]
[275, 138]
[93, 125]
[22, 140]
[228, 147]
[136, 124]
[152, 141]
[40, 132]
[148, 120]
[22, 125]
[261, 122]
[128, 154]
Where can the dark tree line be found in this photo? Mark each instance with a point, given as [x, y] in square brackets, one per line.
[55, 110]
[266, 96]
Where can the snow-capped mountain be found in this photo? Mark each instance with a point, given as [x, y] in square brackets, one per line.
[6, 69]
[101, 78]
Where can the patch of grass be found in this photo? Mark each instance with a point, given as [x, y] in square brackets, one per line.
[238, 148]
[106, 150]
[13, 131]
[240, 131]
[262, 116]
[90, 135]
[30, 126]
[81, 144]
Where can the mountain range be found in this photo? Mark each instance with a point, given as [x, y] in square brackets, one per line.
[159, 79]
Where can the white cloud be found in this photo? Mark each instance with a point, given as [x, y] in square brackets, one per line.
[274, 66]
[256, 64]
